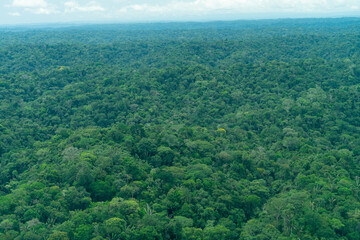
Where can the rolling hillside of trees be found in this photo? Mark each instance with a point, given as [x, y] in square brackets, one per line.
[244, 130]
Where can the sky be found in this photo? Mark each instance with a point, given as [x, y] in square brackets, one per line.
[102, 11]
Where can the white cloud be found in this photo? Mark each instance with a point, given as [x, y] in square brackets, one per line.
[154, 10]
[14, 14]
[39, 11]
[34, 6]
[75, 7]
[197, 6]
[244, 6]
[29, 3]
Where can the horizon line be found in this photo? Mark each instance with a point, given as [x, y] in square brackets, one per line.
[180, 21]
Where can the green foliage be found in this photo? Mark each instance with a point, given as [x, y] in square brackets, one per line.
[234, 130]
[58, 236]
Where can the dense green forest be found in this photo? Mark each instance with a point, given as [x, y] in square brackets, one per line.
[237, 130]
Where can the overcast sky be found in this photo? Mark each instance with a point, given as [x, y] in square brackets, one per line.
[50, 11]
